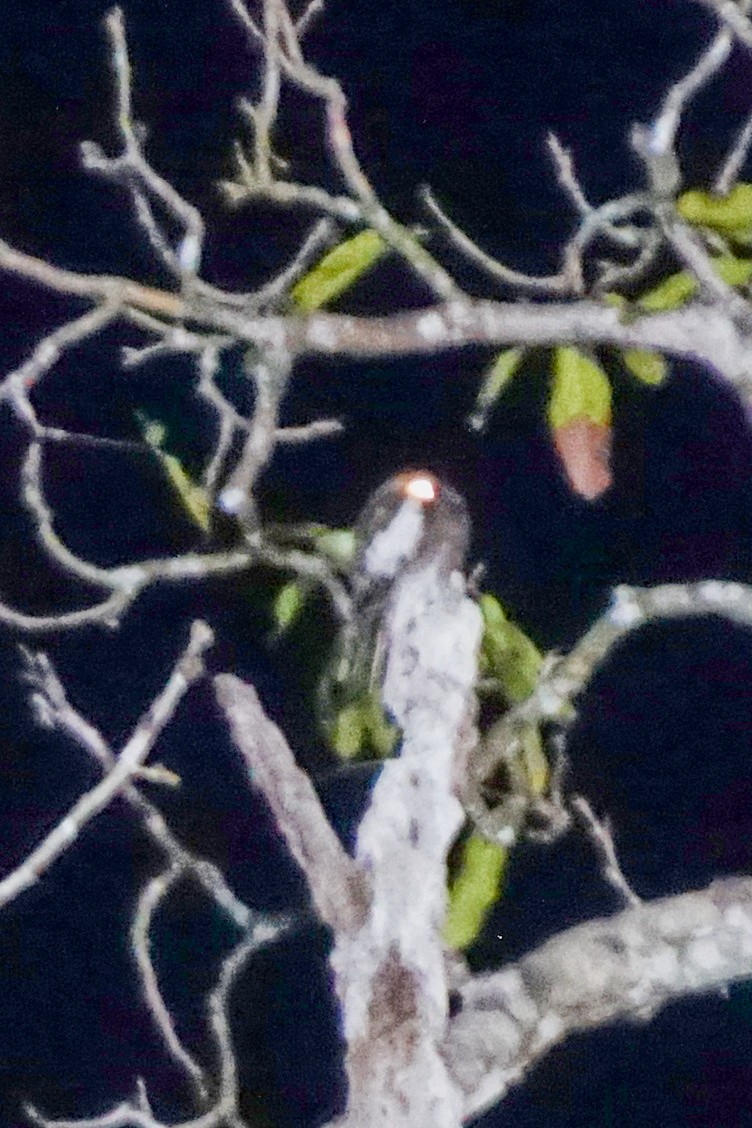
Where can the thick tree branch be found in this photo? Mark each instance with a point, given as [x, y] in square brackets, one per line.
[626, 966]
[336, 887]
[706, 333]
[391, 974]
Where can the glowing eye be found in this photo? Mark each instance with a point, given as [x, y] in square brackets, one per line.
[421, 488]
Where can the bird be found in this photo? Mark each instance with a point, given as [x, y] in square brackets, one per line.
[412, 516]
[412, 519]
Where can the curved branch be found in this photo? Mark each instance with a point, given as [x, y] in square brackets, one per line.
[564, 679]
[627, 966]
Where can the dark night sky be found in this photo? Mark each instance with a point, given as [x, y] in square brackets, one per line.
[460, 95]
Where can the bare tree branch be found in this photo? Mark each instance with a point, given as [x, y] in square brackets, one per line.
[728, 174]
[282, 54]
[709, 63]
[141, 179]
[152, 896]
[564, 679]
[733, 15]
[625, 966]
[385, 905]
[188, 669]
[709, 335]
[56, 712]
[567, 281]
[336, 886]
[269, 373]
[600, 835]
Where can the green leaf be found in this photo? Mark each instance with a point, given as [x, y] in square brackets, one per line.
[533, 760]
[677, 289]
[288, 603]
[734, 271]
[581, 389]
[338, 545]
[193, 497]
[348, 732]
[730, 214]
[382, 735]
[360, 729]
[475, 889]
[628, 310]
[195, 500]
[671, 293]
[649, 367]
[494, 382]
[509, 655]
[338, 270]
[492, 611]
[612, 299]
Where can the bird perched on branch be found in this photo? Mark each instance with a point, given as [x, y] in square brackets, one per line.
[413, 523]
[413, 519]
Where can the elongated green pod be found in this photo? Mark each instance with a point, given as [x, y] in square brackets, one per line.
[474, 890]
[338, 270]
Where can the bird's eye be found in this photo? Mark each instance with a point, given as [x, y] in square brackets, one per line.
[421, 487]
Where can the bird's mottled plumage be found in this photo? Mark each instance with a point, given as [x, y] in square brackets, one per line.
[412, 519]
[441, 526]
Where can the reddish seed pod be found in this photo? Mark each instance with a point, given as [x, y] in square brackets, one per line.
[584, 448]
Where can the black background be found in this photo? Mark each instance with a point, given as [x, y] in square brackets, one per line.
[459, 95]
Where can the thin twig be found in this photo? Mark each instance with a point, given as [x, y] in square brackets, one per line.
[321, 236]
[33, 497]
[219, 1022]
[229, 419]
[668, 119]
[309, 566]
[251, 27]
[732, 13]
[125, 582]
[17, 384]
[599, 833]
[306, 432]
[562, 283]
[565, 174]
[151, 897]
[55, 711]
[142, 180]
[269, 374]
[566, 678]
[310, 13]
[729, 171]
[187, 670]
[281, 48]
